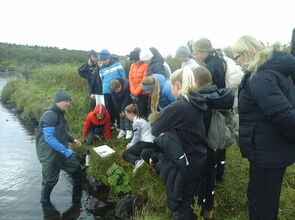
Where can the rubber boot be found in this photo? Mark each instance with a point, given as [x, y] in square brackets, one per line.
[45, 195]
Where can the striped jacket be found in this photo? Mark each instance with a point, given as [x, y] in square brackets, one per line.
[113, 70]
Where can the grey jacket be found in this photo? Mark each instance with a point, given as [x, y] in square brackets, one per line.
[141, 131]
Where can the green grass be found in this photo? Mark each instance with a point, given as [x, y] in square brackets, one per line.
[35, 93]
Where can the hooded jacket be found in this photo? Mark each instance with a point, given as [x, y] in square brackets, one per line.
[157, 64]
[122, 98]
[266, 110]
[113, 70]
[166, 96]
[216, 67]
[218, 99]
[92, 120]
[186, 117]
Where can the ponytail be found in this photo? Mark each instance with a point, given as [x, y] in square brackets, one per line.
[147, 84]
[186, 77]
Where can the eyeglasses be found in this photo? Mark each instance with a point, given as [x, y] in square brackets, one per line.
[236, 58]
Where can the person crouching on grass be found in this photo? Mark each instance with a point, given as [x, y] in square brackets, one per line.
[121, 98]
[142, 137]
[97, 122]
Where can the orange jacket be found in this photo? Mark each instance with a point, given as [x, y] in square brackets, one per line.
[92, 120]
[136, 74]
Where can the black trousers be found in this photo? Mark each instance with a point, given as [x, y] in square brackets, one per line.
[143, 105]
[207, 189]
[264, 191]
[134, 153]
[110, 108]
[190, 189]
[221, 154]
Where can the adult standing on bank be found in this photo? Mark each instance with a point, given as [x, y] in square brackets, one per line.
[267, 121]
[52, 147]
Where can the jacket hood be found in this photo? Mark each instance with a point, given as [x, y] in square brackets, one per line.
[157, 57]
[112, 61]
[99, 109]
[272, 58]
[198, 101]
[221, 99]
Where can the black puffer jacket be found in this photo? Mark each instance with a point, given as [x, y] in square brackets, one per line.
[217, 67]
[186, 117]
[122, 98]
[93, 78]
[172, 167]
[219, 99]
[266, 111]
[156, 65]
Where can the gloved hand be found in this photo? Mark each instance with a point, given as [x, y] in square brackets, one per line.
[68, 153]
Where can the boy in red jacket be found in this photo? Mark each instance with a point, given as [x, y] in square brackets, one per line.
[96, 123]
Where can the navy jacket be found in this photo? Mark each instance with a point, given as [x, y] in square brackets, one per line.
[216, 67]
[172, 167]
[122, 98]
[186, 117]
[156, 65]
[267, 114]
[93, 78]
[219, 99]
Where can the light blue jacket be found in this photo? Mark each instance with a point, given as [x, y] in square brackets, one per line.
[166, 96]
[113, 70]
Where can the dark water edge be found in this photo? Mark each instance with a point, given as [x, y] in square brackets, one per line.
[21, 176]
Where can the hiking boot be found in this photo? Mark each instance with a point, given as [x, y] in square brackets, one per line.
[129, 134]
[121, 134]
[138, 164]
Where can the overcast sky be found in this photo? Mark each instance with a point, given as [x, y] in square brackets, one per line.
[121, 25]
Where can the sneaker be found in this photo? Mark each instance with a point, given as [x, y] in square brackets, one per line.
[138, 164]
[121, 134]
[129, 134]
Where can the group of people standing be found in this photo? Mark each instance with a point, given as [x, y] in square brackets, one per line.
[169, 117]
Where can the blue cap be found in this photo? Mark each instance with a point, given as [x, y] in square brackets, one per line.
[104, 55]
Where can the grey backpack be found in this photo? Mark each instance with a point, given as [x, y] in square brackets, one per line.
[221, 132]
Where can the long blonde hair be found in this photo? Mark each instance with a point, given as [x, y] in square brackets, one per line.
[155, 95]
[186, 77]
[250, 46]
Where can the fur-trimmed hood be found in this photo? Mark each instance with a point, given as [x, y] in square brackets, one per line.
[272, 58]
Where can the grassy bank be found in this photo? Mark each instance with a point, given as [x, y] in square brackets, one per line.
[36, 93]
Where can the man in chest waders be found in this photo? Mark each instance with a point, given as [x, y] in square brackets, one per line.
[52, 147]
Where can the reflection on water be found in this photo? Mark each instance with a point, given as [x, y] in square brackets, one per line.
[20, 176]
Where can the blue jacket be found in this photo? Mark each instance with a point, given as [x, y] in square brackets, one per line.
[113, 70]
[266, 112]
[166, 96]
